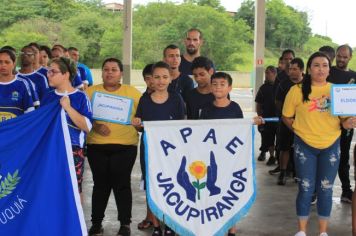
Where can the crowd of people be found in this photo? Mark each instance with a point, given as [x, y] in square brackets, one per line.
[308, 142]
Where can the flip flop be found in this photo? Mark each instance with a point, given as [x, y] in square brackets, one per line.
[144, 224]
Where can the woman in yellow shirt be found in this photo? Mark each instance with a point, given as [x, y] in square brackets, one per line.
[316, 144]
[112, 146]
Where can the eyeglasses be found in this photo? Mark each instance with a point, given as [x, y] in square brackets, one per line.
[52, 72]
[26, 54]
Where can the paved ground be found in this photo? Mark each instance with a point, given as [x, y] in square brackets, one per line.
[273, 213]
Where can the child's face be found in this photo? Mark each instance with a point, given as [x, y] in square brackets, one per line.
[202, 76]
[220, 87]
[55, 76]
[148, 80]
[161, 79]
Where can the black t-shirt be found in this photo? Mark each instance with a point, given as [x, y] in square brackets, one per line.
[338, 76]
[281, 76]
[182, 85]
[265, 97]
[196, 101]
[172, 109]
[185, 66]
[232, 111]
[283, 89]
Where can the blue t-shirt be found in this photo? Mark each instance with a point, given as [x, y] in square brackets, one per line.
[43, 71]
[80, 102]
[85, 73]
[231, 111]
[40, 82]
[15, 99]
[32, 88]
[182, 85]
[195, 102]
[172, 109]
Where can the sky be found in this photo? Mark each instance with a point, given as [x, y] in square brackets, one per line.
[330, 18]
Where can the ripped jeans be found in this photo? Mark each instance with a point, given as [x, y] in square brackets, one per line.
[316, 170]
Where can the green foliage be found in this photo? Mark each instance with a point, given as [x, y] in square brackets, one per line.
[98, 33]
[285, 26]
[155, 21]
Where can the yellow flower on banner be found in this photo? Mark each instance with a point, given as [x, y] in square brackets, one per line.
[198, 169]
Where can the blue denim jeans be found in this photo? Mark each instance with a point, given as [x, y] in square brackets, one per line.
[316, 169]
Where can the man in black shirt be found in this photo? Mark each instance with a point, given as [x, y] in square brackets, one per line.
[192, 42]
[286, 136]
[341, 74]
[265, 107]
[181, 83]
[287, 56]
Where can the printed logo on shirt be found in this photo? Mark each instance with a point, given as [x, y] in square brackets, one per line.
[321, 104]
[15, 96]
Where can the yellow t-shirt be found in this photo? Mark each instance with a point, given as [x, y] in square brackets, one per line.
[120, 134]
[313, 122]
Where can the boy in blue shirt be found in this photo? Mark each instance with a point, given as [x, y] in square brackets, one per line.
[198, 97]
[159, 105]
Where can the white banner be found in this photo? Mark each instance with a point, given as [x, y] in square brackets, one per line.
[111, 108]
[343, 99]
[200, 173]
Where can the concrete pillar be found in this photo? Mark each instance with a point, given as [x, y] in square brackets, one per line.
[127, 42]
[259, 44]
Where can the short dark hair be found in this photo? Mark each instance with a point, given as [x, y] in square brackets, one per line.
[66, 65]
[345, 46]
[113, 59]
[10, 53]
[160, 64]
[27, 46]
[222, 75]
[34, 44]
[202, 62]
[299, 62]
[59, 46]
[288, 51]
[272, 69]
[47, 50]
[197, 30]
[170, 46]
[147, 70]
[8, 47]
[73, 49]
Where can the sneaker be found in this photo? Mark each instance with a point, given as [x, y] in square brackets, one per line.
[300, 233]
[96, 230]
[157, 231]
[274, 171]
[124, 230]
[314, 199]
[262, 156]
[346, 196]
[271, 161]
[168, 231]
[282, 178]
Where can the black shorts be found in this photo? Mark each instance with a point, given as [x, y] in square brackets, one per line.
[286, 137]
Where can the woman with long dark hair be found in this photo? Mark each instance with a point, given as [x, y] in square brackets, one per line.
[317, 140]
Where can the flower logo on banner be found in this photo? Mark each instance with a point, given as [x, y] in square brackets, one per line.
[199, 170]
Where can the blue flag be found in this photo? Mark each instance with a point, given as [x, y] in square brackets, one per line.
[38, 187]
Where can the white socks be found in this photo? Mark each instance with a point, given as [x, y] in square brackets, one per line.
[302, 233]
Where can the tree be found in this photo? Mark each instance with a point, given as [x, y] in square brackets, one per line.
[285, 26]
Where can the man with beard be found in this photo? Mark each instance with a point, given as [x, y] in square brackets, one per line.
[181, 83]
[192, 42]
[341, 74]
